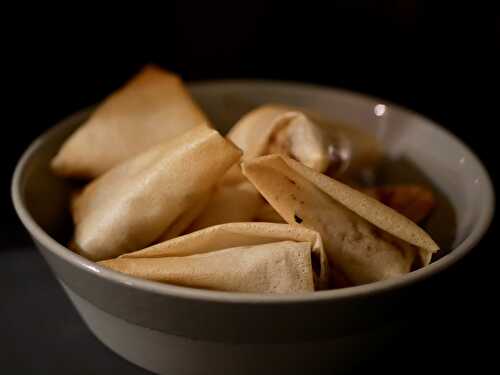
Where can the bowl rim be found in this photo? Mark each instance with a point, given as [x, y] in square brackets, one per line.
[477, 232]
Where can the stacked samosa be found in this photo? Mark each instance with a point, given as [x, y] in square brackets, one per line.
[159, 170]
[270, 129]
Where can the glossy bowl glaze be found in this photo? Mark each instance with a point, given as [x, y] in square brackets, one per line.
[170, 329]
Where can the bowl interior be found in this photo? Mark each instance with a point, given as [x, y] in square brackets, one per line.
[417, 151]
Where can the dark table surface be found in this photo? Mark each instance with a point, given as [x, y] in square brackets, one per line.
[41, 332]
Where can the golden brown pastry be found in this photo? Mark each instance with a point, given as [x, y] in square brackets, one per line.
[238, 257]
[305, 136]
[229, 204]
[151, 108]
[365, 240]
[278, 129]
[138, 201]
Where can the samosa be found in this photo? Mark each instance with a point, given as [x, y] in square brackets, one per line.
[142, 199]
[365, 240]
[237, 257]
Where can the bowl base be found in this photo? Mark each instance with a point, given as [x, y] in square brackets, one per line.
[162, 353]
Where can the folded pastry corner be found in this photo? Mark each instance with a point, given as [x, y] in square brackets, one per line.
[278, 129]
[238, 257]
[139, 200]
[364, 239]
[153, 107]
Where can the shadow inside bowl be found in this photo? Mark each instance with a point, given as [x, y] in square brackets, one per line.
[39, 181]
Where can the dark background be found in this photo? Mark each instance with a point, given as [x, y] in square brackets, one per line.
[440, 60]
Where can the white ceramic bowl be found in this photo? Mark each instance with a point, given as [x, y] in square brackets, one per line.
[171, 329]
